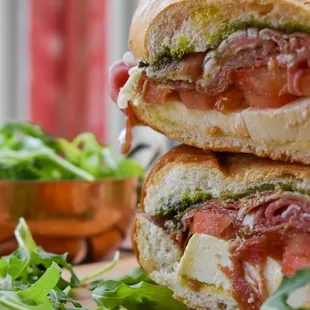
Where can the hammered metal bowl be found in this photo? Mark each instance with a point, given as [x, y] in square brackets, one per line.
[85, 219]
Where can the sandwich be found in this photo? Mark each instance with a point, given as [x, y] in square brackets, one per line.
[222, 229]
[223, 75]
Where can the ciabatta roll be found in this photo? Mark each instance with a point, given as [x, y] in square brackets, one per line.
[220, 74]
[221, 230]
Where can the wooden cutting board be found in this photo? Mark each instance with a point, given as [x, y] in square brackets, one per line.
[124, 267]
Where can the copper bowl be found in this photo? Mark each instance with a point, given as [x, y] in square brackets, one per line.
[85, 219]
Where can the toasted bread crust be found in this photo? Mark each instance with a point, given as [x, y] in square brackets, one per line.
[239, 169]
[157, 23]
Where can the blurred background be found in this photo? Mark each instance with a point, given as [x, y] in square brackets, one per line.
[54, 59]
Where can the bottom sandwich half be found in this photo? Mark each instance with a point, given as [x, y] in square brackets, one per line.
[221, 230]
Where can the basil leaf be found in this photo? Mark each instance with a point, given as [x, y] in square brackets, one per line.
[114, 294]
[278, 301]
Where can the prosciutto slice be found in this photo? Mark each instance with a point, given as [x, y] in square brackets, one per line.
[270, 224]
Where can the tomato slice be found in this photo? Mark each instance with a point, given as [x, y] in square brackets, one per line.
[268, 102]
[196, 100]
[305, 83]
[214, 224]
[230, 100]
[260, 80]
[297, 253]
[154, 93]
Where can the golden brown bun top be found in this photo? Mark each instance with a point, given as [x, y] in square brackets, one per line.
[227, 169]
[161, 23]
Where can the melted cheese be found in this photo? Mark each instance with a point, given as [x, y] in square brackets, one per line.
[129, 89]
[204, 256]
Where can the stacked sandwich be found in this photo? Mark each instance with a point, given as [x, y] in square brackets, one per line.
[222, 229]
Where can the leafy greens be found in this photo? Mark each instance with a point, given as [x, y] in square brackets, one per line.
[278, 301]
[29, 153]
[135, 292]
[30, 278]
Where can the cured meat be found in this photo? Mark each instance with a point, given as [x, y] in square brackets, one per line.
[118, 76]
[270, 224]
[269, 69]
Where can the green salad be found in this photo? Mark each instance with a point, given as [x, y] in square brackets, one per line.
[29, 153]
[31, 279]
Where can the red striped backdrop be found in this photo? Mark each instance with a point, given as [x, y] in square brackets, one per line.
[68, 66]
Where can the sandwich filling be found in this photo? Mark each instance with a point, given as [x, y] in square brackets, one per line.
[252, 68]
[272, 225]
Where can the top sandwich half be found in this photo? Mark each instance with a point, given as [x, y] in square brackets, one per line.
[220, 74]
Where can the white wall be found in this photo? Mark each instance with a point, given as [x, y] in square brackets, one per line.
[14, 69]
[15, 65]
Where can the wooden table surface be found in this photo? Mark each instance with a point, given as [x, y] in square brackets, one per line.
[124, 267]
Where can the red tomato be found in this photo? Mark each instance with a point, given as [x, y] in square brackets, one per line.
[305, 83]
[230, 100]
[268, 102]
[196, 100]
[214, 224]
[261, 80]
[297, 253]
[154, 93]
[118, 76]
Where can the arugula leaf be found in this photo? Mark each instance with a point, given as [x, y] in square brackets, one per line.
[138, 275]
[113, 294]
[36, 296]
[3, 267]
[61, 299]
[29, 277]
[24, 238]
[288, 285]
[38, 291]
[103, 271]
[29, 153]
[11, 301]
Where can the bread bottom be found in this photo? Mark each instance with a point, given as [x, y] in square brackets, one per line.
[195, 128]
[159, 257]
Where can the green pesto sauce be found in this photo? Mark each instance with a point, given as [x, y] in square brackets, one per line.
[225, 30]
[183, 47]
[178, 51]
[172, 209]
